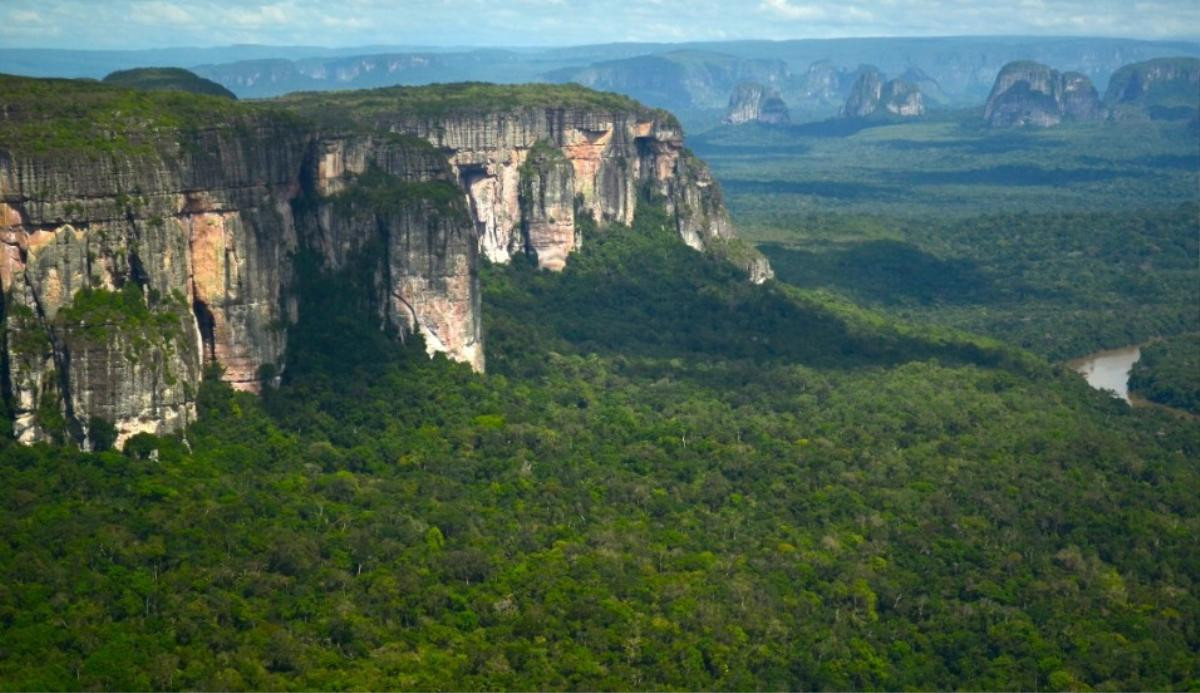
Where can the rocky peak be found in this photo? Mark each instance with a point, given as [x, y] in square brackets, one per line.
[865, 94]
[754, 103]
[823, 81]
[902, 98]
[1029, 93]
[1165, 88]
[871, 94]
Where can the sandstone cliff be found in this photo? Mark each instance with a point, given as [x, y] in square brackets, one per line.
[1165, 88]
[871, 95]
[145, 235]
[754, 103]
[1028, 93]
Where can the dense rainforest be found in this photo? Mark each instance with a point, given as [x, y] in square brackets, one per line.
[874, 472]
[1168, 372]
[1062, 240]
[669, 478]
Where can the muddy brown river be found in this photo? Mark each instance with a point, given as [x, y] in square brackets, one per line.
[1109, 370]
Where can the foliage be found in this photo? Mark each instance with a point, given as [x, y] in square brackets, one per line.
[378, 191]
[76, 117]
[669, 479]
[435, 100]
[1063, 241]
[1168, 372]
[167, 79]
[98, 313]
[1060, 284]
[943, 166]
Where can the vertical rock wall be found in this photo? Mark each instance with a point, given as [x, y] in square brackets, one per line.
[608, 158]
[125, 273]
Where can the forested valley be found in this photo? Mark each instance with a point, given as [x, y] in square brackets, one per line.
[668, 479]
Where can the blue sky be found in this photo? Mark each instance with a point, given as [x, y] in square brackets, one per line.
[166, 23]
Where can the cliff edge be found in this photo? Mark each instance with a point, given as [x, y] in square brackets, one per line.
[1031, 94]
[147, 235]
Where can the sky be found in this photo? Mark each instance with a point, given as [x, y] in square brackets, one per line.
[129, 24]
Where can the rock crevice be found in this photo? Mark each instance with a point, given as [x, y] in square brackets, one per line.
[126, 273]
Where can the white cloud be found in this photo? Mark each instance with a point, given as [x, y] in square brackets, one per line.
[787, 10]
[104, 24]
[156, 13]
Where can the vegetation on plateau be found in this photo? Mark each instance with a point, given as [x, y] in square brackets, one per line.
[73, 117]
[167, 79]
[462, 97]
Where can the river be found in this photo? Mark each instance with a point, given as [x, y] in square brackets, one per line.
[1109, 370]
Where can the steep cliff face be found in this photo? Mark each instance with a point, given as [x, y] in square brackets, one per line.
[129, 264]
[754, 103]
[199, 236]
[388, 207]
[604, 160]
[864, 95]
[1028, 93]
[871, 94]
[824, 82]
[144, 235]
[902, 98]
[1165, 88]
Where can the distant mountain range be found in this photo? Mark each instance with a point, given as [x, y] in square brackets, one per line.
[694, 80]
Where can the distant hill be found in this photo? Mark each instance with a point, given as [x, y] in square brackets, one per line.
[1029, 93]
[1161, 89]
[167, 79]
[694, 80]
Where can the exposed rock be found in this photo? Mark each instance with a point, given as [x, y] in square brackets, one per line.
[754, 103]
[930, 88]
[547, 199]
[678, 80]
[125, 272]
[871, 95]
[824, 82]
[864, 95]
[902, 98]
[1165, 88]
[611, 156]
[1028, 93]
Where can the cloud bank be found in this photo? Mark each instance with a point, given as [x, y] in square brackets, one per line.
[166, 23]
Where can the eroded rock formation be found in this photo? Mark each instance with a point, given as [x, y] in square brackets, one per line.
[1029, 93]
[1160, 89]
[754, 103]
[871, 95]
[126, 271]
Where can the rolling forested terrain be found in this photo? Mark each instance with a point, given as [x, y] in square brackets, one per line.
[668, 479]
[1064, 240]
[873, 472]
[1169, 373]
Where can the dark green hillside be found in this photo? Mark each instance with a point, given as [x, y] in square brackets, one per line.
[1169, 373]
[167, 79]
[669, 479]
[83, 117]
